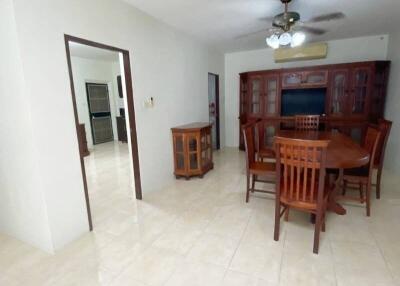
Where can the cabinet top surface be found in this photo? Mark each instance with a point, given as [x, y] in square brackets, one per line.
[315, 67]
[191, 126]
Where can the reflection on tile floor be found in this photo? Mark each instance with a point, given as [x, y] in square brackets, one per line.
[201, 232]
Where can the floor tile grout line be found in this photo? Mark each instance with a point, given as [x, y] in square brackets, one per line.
[383, 256]
[240, 241]
[333, 260]
[282, 256]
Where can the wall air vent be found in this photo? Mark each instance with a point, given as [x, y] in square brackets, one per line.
[306, 52]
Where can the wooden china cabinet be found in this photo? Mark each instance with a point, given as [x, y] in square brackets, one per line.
[354, 95]
[192, 149]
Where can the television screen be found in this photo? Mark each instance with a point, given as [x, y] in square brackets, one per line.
[303, 101]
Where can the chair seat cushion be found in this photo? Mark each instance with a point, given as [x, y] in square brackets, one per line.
[262, 168]
[357, 172]
[332, 171]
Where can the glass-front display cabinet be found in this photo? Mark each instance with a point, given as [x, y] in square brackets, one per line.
[192, 146]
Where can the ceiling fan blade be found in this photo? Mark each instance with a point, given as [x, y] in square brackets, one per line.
[266, 32]
[327, 17]
[250, 34]
[266, 19]
[311, 30]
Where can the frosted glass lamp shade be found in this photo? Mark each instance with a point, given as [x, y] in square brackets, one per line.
[285, 39]
[273, 41]
[298, 39]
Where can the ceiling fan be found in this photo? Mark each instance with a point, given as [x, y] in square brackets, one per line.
[287, 29]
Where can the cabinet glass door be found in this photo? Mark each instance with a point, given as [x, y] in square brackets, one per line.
[356, 133]
[267, 132]
[269, 135]
[270, 95]
[255, 95]
[192, 150]
[339, 86]
[205, 148]
[243, 95]
[179, 150]
[360, 90]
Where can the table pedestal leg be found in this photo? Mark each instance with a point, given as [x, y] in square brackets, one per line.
[332, 204]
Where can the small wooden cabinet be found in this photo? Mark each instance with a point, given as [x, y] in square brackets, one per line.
[192, 149]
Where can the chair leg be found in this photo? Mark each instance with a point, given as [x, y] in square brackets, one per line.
[378, 184]
[248, 188]
[253, 183]
[361, 193]
[344, 186]
[287, 214]
[368, 196]
[317, 231]
[324, 218]
[277, 219]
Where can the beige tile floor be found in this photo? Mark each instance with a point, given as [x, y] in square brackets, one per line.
[201, 232]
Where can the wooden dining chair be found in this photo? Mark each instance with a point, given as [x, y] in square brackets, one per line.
[301, 181]
[306, 122]
[254, 168]
[361, 178]
[384, 126]
[263, 152]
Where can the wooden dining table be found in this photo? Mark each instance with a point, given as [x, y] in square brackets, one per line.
[342, 153]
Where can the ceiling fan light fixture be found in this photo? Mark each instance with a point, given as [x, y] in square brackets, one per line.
[273, 41]
[285, 39]
[298, 39]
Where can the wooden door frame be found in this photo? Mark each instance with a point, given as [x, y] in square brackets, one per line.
[131, 114]
[217, 108]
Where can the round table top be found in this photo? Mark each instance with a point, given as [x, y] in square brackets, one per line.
[342, 152]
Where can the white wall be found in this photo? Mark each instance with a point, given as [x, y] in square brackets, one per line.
[166, 65]
[22, 206]
[95, 71]
[392, 161]
[339, 51]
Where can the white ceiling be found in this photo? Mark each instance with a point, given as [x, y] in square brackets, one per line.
[219, 22]
[88, 52]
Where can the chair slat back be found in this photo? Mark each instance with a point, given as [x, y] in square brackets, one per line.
[301, 168]
[384, 126]
[371, 144]
[306, 122]
[249, 142]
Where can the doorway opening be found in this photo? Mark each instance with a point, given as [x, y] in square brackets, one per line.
[213, 107]
[102, 97]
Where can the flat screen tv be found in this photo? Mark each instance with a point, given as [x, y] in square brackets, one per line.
[303, 101]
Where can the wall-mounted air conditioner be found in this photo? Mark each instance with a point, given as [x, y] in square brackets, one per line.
[306, 52]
